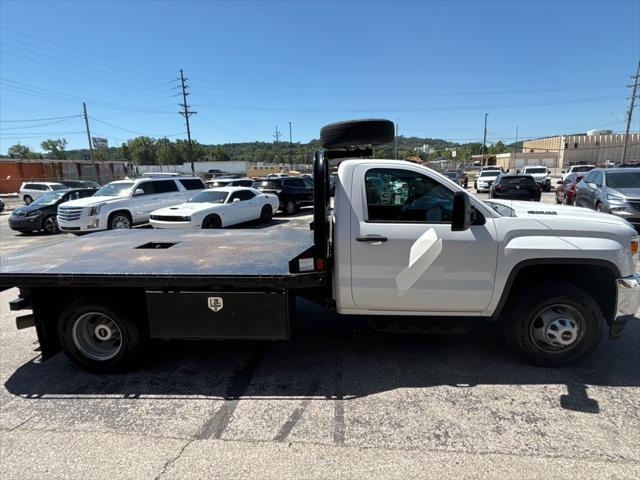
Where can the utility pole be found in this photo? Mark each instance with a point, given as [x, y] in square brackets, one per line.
[515, 151]
[395, 143]
[86, 124]
[276, 136]
[630, 112]
[186, 113]
[290, 148]
[484, 139]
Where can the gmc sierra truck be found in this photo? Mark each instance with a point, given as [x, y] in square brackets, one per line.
[404, 246]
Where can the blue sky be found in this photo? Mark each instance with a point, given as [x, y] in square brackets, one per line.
[436, 67]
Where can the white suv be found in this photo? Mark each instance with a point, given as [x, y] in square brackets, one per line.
[125, 203]
[29, 191]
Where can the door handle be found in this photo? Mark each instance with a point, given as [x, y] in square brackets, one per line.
[371, 238]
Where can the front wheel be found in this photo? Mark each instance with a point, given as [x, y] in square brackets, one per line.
[119, 221]
[50, 224]
[101, 339]
[553, 325]
[212, 221]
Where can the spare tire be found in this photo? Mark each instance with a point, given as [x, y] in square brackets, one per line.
[356, 133]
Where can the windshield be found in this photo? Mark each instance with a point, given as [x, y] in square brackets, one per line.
[451, 175]
[48, 198]
[59, 187]
[536, 170]
[623, 180]
[209, 196]
[490, 173]
[119, 189]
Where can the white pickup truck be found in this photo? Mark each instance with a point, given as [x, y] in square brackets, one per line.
[404, 246]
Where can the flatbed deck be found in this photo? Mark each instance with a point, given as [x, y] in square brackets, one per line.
[165, 259]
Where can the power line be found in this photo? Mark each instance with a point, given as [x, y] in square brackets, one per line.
[40, 119]
[39, 124]
[134, 131]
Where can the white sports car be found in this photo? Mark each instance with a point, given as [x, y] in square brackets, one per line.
[217, 208]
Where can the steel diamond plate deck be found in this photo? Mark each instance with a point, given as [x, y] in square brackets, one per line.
[209, 253]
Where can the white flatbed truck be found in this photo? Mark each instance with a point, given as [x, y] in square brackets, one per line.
[404, 246]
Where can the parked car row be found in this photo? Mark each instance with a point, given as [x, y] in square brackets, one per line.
[174, 200]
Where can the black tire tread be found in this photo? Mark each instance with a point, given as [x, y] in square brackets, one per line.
[353, 133]
[521, 308]
[137, 337]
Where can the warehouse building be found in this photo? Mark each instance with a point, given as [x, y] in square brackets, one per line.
[591, 148]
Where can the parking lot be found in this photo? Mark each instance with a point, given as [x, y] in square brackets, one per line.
[335, 396]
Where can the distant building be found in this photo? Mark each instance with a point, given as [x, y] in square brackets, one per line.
[595, 149]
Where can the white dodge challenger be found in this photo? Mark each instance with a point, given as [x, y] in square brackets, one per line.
[217, 208]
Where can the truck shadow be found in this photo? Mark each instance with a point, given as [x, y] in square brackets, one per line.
[332, 357]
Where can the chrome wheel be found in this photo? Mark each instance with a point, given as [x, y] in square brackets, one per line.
[119, 222]
[51, 224]
[555, 328]
[97, 336]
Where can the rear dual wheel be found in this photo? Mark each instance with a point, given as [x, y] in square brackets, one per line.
[102, 338]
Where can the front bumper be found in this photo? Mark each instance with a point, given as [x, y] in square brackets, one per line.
[25, 224]
[628, 303]
[84, 224]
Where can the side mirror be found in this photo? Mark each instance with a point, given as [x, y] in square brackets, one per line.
[138, 192]
[235, 200]
[461, 216]
[563, 171]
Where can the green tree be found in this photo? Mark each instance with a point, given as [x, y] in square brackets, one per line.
[166, 152]
[19, 151]
[219, 155]
[497, 147]
[100, 155]
[123, 152]
[142, 150]
[55, 148]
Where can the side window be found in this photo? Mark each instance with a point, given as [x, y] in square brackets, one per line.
[165, 186]
[233, 196]
[245, 183]
[28, 186]
[72, 196]
[86, 193]
[597, 178]
[245, 195]
[147, 187]
[397, 195]
[192, 184]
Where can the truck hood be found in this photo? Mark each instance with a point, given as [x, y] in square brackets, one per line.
[187, 209]
[89, 201]
[543, 212]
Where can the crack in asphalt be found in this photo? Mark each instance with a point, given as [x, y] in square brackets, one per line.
[173, 460]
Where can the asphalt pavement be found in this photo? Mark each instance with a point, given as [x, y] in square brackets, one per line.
[337, 401]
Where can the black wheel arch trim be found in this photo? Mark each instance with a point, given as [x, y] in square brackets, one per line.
[615, 271]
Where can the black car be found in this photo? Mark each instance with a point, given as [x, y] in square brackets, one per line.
[512, 186]
[41, 214]
[79, 183]
[293, 192]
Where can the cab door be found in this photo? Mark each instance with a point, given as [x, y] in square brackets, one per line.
[404, 256]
